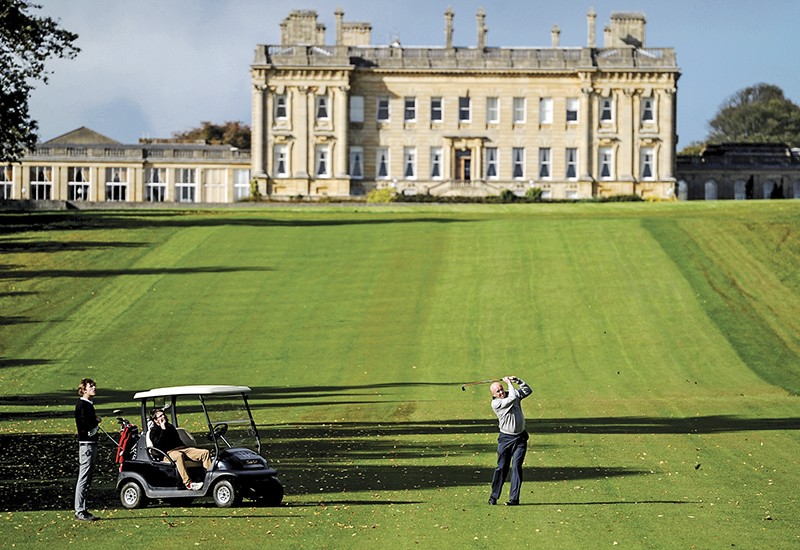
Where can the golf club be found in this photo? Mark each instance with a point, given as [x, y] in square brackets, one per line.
[108, 436]
[115, 411]
[464, 386]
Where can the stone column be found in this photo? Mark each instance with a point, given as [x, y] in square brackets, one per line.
[302, 112]
[627, 130]
[258, 132]
[587, 119]
[340, 128]
[667, 127]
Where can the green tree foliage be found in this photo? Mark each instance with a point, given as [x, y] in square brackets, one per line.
[27, 42]
[693, 149]
[236, 134]
[757, 114]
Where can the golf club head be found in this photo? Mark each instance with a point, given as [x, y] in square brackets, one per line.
[463, 388]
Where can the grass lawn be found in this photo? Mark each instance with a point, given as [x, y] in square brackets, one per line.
[662, 342]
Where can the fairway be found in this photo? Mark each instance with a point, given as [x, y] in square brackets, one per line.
[660, 339]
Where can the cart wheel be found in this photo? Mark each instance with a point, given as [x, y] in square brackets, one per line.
[271, 492]
[131, 496]
[226, 494]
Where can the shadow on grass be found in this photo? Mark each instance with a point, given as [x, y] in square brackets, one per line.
[38, 472]
[315, 459]
[11, 223]
[31, 245]
[102, 273]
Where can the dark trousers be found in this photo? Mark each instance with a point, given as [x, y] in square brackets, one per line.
[511, 451]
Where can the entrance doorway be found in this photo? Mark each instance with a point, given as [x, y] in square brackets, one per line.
[464, 165]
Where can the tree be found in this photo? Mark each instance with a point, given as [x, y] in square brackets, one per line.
[27, 42]
[693, 149]
[236, 134]
[757, 114]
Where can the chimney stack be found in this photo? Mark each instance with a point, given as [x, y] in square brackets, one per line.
[482, 30]
[339, 34]
[590, 21]
[448, 28]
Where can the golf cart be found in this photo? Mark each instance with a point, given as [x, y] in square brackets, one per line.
[220, 419]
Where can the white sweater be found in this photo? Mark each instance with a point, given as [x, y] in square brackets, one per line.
[509, 410]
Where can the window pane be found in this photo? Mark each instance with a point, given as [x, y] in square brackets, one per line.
[382, 162]
[546, 110]
[383, 108]
[357, 162]
[572, 109]
[606, 113]
[572, 163]
[356, 108]
[647, 109]
[436, 162]
[410, 109]
[519, 162]
[280, 106]
[322, 106]
[491, 162]
[544, 162]
[464, 109]
[436, 109]
[519, 110]
[492, 110]
[410, 156]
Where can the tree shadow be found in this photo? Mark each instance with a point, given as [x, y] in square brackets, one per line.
[133, 218]
[16, 319]
[33, 246]
[45, 479]
[103, 273]
[38, 471]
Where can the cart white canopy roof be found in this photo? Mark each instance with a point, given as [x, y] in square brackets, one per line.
[192, 390]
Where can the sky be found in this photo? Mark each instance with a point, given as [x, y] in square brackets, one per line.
[150, 68]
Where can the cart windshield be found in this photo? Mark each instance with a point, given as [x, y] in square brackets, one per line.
[230, 421]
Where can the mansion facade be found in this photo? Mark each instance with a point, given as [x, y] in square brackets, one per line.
[339, 120]
[578, 122]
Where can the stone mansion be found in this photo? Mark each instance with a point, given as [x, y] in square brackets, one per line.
[340, 119]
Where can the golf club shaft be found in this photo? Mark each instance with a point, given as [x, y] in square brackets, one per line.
[477, 382]
[108, 436]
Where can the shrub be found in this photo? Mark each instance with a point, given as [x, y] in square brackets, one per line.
[380, 196]
[506, 195]
[534, 194]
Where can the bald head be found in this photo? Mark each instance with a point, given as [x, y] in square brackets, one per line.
[497, 390]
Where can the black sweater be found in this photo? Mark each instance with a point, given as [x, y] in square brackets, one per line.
[85, 420]
[165, 440]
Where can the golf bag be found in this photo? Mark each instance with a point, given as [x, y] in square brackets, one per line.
[128, 437]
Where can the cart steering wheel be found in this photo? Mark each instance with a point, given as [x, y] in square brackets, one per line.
[220, 429]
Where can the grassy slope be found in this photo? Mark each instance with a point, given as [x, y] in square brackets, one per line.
[356, 328]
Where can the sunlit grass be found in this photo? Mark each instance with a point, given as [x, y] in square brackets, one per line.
[660, 339]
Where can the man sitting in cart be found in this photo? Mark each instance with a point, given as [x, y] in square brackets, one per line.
[164, 437]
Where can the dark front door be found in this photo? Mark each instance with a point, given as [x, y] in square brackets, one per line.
[464, 165]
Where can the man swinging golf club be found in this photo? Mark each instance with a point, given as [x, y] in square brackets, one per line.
[512, 443]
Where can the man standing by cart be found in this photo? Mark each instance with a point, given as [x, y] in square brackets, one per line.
[512, 444]
[88, 424]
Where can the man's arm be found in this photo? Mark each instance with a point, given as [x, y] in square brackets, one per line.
[524, 389]
[156, 435]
